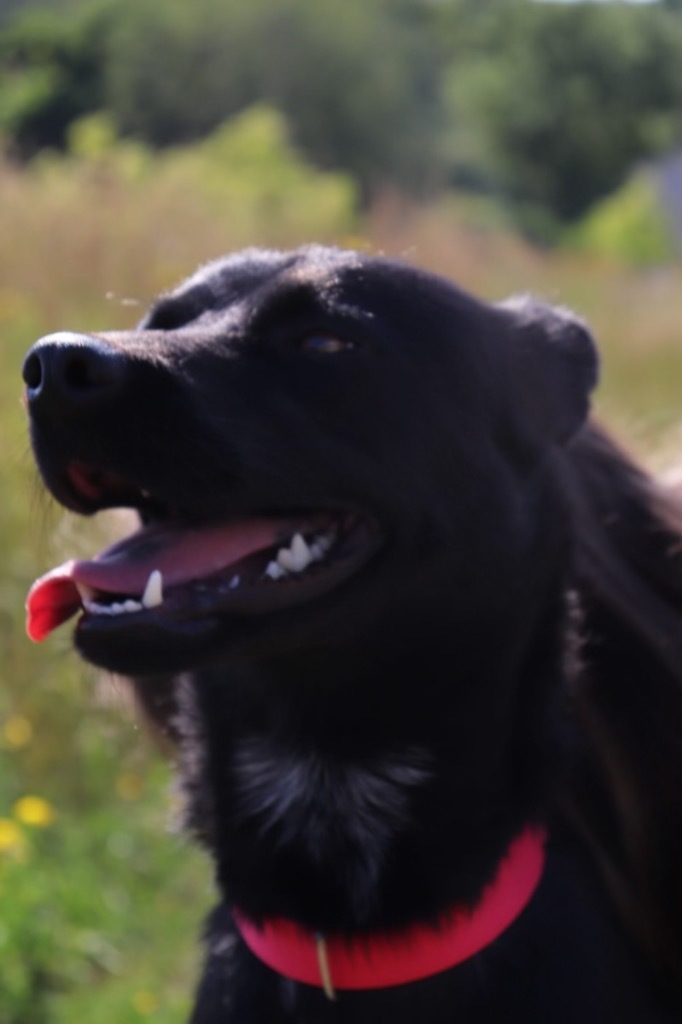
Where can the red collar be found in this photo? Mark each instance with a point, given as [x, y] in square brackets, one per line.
[380, 960]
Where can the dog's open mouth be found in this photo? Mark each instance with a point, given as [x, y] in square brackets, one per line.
[175, 570]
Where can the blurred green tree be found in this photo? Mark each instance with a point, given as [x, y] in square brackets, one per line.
[50, 74]
[630, 226]
[547, 106]
[357, 83]
[552, 105]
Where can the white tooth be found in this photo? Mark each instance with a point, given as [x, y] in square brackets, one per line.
[296, 557]
[153, 592]
[274, 571]
[116, 608]
[102, 609]
[285, 560]
[234, 582]
[300, 552]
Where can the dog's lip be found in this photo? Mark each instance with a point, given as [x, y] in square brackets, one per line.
[202, 609]
[197, 564]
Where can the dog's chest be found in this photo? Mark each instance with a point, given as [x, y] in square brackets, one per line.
[324, 808]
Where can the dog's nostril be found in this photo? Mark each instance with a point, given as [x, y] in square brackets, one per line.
[82, 372]
[33, 372]
[64, 371]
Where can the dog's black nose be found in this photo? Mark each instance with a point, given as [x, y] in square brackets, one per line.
[67, 371]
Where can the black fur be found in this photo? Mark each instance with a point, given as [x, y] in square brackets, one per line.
[510, 652]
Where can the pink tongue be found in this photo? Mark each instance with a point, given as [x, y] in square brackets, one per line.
[180, 554]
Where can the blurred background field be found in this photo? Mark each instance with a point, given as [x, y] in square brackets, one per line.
[512, 145]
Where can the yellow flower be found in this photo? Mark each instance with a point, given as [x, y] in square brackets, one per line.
[11, 837]
[145, 1003]
[17, 731]
[33, 810]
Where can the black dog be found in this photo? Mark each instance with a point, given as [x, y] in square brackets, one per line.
[415, 626]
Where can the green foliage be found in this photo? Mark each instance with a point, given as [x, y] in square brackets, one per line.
[80, 902]
[249, 165]
[50, 74]
[357, 85]
[94, 138]
[559, 101]
[546, 106]
[245, 178]
[629, 226]
[171, 73]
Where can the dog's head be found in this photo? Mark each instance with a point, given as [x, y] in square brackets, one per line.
[318, 444]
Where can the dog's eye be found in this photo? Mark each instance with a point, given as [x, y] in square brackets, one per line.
[324, 344]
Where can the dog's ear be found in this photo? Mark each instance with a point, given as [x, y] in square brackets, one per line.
[554, 367]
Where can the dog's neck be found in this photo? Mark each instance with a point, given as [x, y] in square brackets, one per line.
[327, 809]
[381, 960]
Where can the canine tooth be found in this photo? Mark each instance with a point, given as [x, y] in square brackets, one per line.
[274, 571]
[234, 582]
[153, 591]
